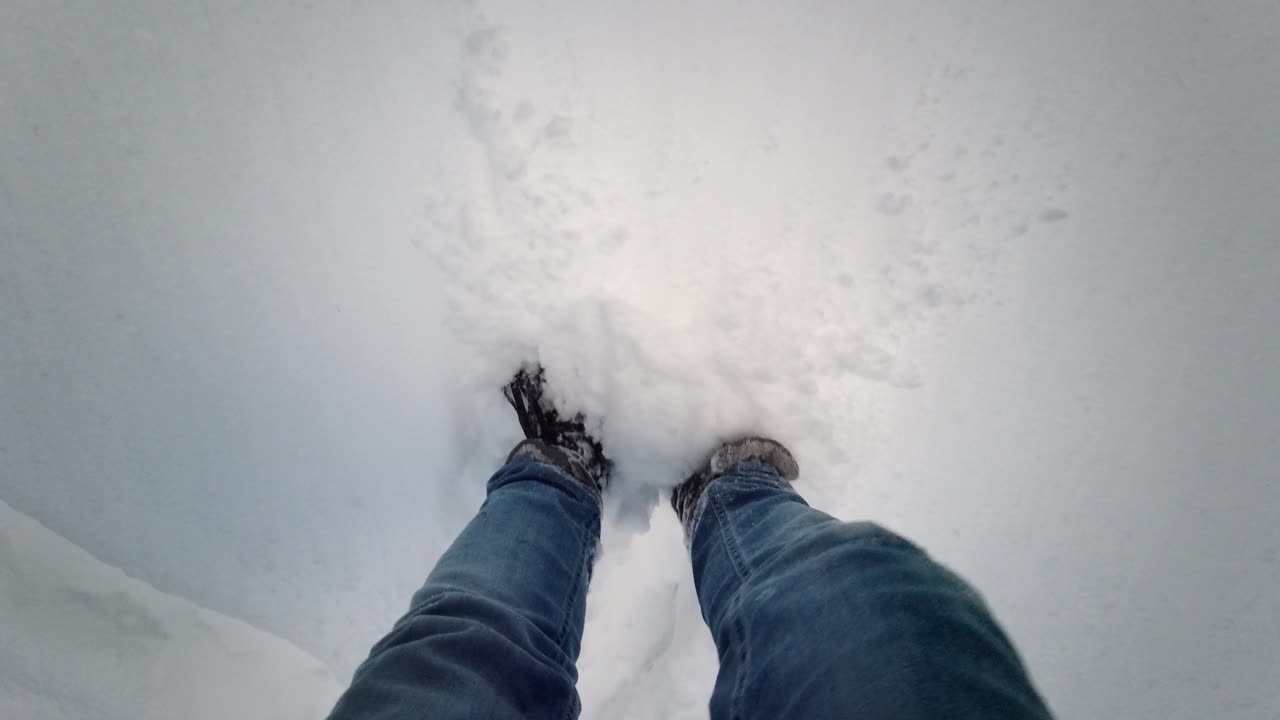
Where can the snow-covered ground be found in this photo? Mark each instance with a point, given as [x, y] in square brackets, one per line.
[1005, 277]
[82, 640]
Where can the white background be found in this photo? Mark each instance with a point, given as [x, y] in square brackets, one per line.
[1006, 277]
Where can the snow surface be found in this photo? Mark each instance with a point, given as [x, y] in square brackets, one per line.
[1005, 278]
[82, 640]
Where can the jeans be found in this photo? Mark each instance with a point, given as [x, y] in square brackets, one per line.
[812, 617]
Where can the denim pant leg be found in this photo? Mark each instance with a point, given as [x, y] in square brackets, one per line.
[817, 618]
[495, 631]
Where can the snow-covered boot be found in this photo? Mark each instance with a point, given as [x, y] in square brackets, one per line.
[687, 497]
[551, 439]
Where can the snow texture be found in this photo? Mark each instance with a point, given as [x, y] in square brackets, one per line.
[82, 640]
[1004, 277]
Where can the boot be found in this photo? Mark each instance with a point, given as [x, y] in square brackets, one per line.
[686, 498]
[550, 439]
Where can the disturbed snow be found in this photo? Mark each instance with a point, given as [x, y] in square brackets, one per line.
[1004, 278]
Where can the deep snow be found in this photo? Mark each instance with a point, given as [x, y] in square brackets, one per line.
[1004, 277]
[82, 640]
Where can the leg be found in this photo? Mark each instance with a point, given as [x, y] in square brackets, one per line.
[496, 630]
[817, 618]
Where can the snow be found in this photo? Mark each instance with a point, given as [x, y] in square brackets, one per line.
[81, 639]
[1003, 277]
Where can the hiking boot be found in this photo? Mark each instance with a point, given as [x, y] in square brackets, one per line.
[553, 440]
[687, 497]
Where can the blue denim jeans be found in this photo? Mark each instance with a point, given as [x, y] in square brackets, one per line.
[812, 617]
